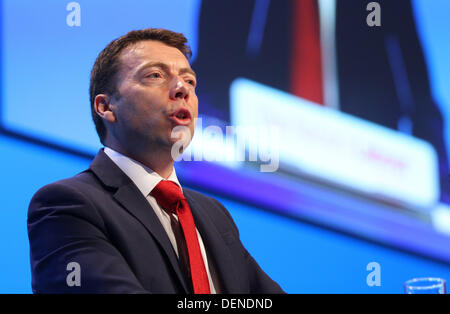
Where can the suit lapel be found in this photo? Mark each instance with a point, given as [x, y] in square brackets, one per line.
[129, 196]
[216, 247]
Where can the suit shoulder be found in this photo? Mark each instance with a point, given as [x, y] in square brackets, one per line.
[71, 196]
[195, 194]
[208, 203]
[68, 186]
[73, 190]
[202, 198]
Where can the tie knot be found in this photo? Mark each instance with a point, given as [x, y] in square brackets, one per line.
[167, 194]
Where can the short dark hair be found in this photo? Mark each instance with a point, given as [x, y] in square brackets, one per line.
[107, 65]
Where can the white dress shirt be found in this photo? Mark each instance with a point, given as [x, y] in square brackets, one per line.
[146, 179]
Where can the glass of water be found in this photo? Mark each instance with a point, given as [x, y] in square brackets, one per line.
[425, 285]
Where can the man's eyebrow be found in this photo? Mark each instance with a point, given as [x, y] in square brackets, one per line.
[188, 70]
[165, 67]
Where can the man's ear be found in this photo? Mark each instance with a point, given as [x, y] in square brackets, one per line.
[104, 108]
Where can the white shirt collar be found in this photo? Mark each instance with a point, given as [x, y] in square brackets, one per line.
[143, 177]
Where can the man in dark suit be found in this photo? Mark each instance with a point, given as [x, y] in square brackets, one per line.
[125, 225]
[381, 74]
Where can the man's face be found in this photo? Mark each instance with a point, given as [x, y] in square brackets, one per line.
[157, 93]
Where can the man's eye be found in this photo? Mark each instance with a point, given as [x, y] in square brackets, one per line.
[153, 75]
[191, 82]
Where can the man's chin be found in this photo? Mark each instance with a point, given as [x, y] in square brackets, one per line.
[179, 141]
[181, 133]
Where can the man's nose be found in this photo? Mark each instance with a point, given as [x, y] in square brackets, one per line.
[179, 90]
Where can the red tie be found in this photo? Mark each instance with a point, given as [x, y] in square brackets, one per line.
[169, 196]
[306, 77]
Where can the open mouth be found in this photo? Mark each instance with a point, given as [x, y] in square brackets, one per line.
[182, 116]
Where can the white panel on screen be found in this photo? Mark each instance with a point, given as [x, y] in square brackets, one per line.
[341, 149]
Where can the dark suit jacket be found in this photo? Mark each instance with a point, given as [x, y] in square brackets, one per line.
[101, 220]
[382, 74]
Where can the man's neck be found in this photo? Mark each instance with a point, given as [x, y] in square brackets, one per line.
[157, 160]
